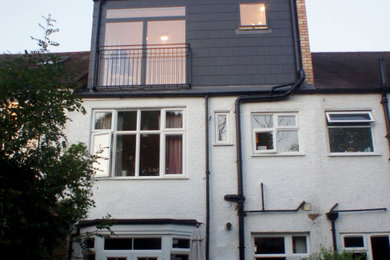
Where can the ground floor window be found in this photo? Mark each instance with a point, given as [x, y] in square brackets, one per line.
[367, 246]
[280, 246]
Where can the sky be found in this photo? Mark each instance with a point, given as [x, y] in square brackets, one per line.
[334, 25]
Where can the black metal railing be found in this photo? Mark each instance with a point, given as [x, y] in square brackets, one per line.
[137, 65]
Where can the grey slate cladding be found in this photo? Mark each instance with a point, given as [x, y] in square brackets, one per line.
[222, 55]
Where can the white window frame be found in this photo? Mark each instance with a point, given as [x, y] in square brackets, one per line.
[274, 130]
[228, 140]
[288, 245]
[332, 121]
[366, 241]
[162, 132]
[342, 124]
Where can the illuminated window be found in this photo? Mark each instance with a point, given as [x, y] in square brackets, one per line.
[253, 16]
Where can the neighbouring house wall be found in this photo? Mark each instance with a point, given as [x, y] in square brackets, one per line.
[354, 182]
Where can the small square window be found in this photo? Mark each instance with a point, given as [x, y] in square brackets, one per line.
[275, 133]
[353, 241]
[252, 16]
[350, 132]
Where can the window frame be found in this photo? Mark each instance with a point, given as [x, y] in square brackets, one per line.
[367, 243]
[347, 124]
[228, 140]
[288, 245]
[162, 132]
[245, 27]
[274, 130]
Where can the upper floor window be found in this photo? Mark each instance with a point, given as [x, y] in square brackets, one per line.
[143, 46]
[275, 133]
[350, 131]
[253, 16]
[139, 143]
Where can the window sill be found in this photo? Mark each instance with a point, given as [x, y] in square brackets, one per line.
[253, 30]
[278, 155]
[224, 144]
[351, 154]
[141, 178]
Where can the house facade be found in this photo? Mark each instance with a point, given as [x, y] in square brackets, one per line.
[209, 117]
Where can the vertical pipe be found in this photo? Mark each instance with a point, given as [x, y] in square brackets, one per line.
[385, 101]
[262, 196]
[207, 177]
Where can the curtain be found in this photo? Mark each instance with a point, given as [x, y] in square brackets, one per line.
[173, 154]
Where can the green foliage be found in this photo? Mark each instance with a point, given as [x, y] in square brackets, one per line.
[45, 185]
[328, 254]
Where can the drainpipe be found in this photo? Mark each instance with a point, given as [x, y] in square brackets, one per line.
[97, 33]
[385, 100]
[240, 197]
[207, 177]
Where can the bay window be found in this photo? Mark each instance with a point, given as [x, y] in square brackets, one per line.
[139, 142]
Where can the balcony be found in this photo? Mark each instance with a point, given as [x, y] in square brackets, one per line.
[144, 66]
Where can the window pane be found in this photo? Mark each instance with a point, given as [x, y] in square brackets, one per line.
[127, 121]
[380, 247]
[180, 243]
[115, 33]
[269, 245]
[125, 155]
[352, 117]
[150, 120]
[221, 128]
[147, 243]
[299, 245]
[173, 154]
[101, 148]
[264, 141]
[174, 119]
[166, 32]
[118, 243]
[350, 140]
[262, 121]
[103, 120]
[353, 241]
[288, 141]
[146, 12]
[252, 14]
[179, 257]
[149, 155]
[286, 121]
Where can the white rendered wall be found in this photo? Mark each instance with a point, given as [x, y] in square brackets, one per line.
[313, 176]
[180, 198]
[354, 182]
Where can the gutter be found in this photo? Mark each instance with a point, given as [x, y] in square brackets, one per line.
[207, 144]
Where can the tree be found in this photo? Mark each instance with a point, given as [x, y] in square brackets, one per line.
[45, 184]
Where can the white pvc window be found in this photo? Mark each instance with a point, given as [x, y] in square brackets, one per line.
[222, 128]
[139, 142]
[275, 133]
[369, 246]
[280, 246]
[350, 132]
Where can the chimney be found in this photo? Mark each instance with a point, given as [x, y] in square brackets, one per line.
[305, 46]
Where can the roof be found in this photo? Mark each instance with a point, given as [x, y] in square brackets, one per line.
[349, 70]
[333, 71]
[77, 63]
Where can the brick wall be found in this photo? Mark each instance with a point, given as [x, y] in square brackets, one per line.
[305, 46]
